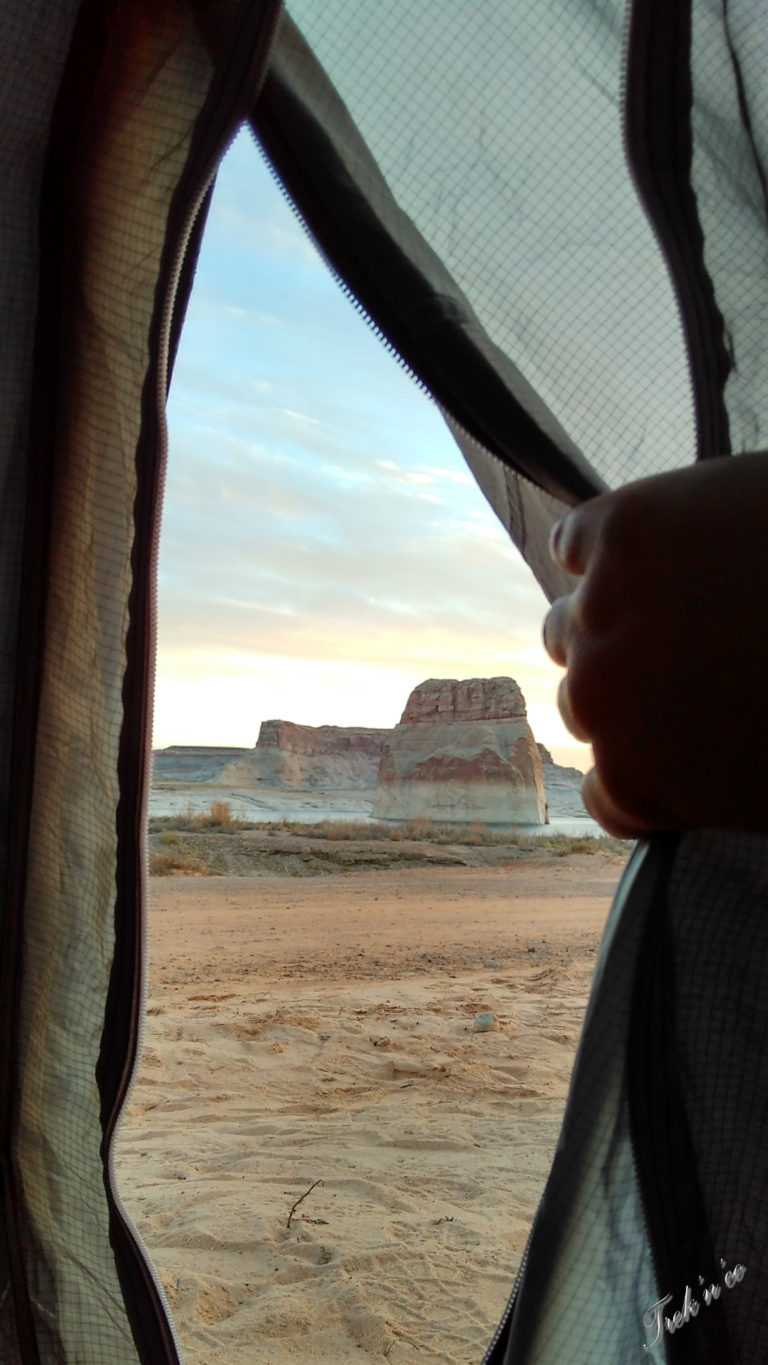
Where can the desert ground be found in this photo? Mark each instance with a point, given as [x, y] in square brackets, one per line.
[323, 1157]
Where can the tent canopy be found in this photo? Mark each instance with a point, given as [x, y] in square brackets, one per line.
[463, 168]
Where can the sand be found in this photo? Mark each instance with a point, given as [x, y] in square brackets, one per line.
[318, 1032]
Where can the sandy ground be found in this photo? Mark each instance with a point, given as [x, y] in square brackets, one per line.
[321, 1030]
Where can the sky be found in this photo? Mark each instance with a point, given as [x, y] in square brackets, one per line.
[323, 546]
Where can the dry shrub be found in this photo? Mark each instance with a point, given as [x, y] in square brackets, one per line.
[339, 829]
[420, 827]
[423, 828]
[334, 829]
[478, 833]
[220, 814]
[176, 864]
[562, 845]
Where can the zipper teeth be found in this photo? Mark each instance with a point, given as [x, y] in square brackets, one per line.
[374, 326]
[507, 1314]
[359, 307]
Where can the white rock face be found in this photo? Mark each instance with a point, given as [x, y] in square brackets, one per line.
[463, 751]
[562, 787]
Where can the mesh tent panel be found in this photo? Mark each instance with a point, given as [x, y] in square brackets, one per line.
[527, 202]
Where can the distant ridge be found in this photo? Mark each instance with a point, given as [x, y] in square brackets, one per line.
[466, 779]
[193, 762]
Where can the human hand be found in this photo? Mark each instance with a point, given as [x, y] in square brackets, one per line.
[664, 641]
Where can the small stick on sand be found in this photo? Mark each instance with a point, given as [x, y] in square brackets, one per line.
[301, 1199]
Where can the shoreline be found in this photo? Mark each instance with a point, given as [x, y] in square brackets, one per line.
[274, 804]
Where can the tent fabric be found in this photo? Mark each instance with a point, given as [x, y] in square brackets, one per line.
[729, 176]
[660, 1173]
[115, 149]
[589, 1275]
[505, 153]
[582, 317]
[392, 268]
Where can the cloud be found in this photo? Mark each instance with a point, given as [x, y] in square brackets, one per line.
[319, 518]
[288, 528]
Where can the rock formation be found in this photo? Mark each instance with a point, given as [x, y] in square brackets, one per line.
[310, 757]
[462, 751]
[563, 788]
[193, 762]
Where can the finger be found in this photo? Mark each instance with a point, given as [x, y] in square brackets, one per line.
[557, 629]
[566, 711]
[620, 823]
[573, 537]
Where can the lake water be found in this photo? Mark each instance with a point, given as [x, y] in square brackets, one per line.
[307, 808]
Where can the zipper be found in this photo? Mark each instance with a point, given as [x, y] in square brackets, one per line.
[504, 1320]
[420, 318]
[376, 329]
[339, 280]
[237, 78]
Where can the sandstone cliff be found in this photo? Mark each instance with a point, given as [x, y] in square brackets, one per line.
[462, 751]
[563, 788]
[333, 759]
[310, 757]
[193, 762]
